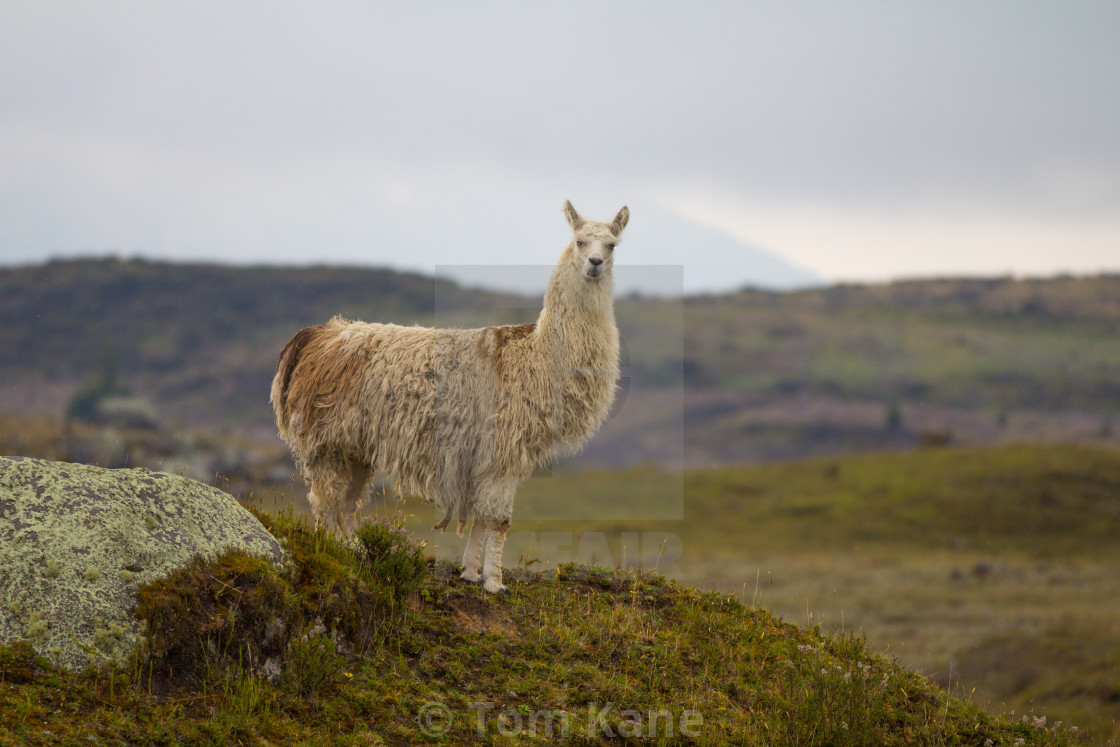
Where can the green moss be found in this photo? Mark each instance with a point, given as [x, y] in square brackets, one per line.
[92, 574]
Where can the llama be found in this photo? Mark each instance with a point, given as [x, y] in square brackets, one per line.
[458, 416]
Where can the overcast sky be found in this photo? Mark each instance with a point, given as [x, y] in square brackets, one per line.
[755, 142]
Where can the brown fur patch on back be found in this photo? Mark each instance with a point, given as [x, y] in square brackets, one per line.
[324, 372]
[289, 359]
[503, 336]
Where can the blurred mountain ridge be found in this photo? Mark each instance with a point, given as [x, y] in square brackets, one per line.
[752, 375]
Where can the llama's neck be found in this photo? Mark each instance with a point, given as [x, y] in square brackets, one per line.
[576, 342]
[575, 305]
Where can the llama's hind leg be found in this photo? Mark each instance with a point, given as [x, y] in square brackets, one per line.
[329, 482]
[496, 531]
[356, 493]
[472, 556]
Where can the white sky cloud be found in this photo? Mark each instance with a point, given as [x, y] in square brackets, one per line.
[856, 140]
[854, 244]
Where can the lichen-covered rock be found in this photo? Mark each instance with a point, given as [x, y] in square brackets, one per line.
[77, 541]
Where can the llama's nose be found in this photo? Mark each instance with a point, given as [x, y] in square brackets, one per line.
[595, 261]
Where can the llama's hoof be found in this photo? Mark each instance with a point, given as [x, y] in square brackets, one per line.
[471, 578]
[494, 586]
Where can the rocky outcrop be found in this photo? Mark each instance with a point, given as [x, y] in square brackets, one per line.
[76, 542]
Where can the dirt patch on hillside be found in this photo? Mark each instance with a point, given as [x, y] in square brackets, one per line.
[479, 615]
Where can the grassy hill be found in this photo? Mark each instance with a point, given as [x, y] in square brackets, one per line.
[373, 645]
[748, 376]
[990, 568]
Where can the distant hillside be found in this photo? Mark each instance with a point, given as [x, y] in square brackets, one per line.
[858, 368]
[201, 341]
[60, 316]
[746, 376]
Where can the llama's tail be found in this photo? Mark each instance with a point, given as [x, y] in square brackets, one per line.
[285, 368]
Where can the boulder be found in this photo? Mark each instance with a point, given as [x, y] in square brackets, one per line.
[76, 542]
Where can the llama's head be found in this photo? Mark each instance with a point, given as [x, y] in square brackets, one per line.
[593, 243]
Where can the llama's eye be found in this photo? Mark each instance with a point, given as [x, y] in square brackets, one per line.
[610, 247]
[579, 244]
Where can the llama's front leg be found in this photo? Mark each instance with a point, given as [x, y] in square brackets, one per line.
[472, 556]
[492, 567]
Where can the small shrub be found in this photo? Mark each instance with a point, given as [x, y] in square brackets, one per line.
[83, 405]
[20, 664]
[393, 560]
[894, 416]
[314, 663]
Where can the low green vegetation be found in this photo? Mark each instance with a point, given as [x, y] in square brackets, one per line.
[371, 644]
[1037, 501]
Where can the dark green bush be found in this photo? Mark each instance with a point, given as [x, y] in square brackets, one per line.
[214, 619]
[393, 560]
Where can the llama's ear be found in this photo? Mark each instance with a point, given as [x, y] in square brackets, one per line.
[574, 219]
[620, 220]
